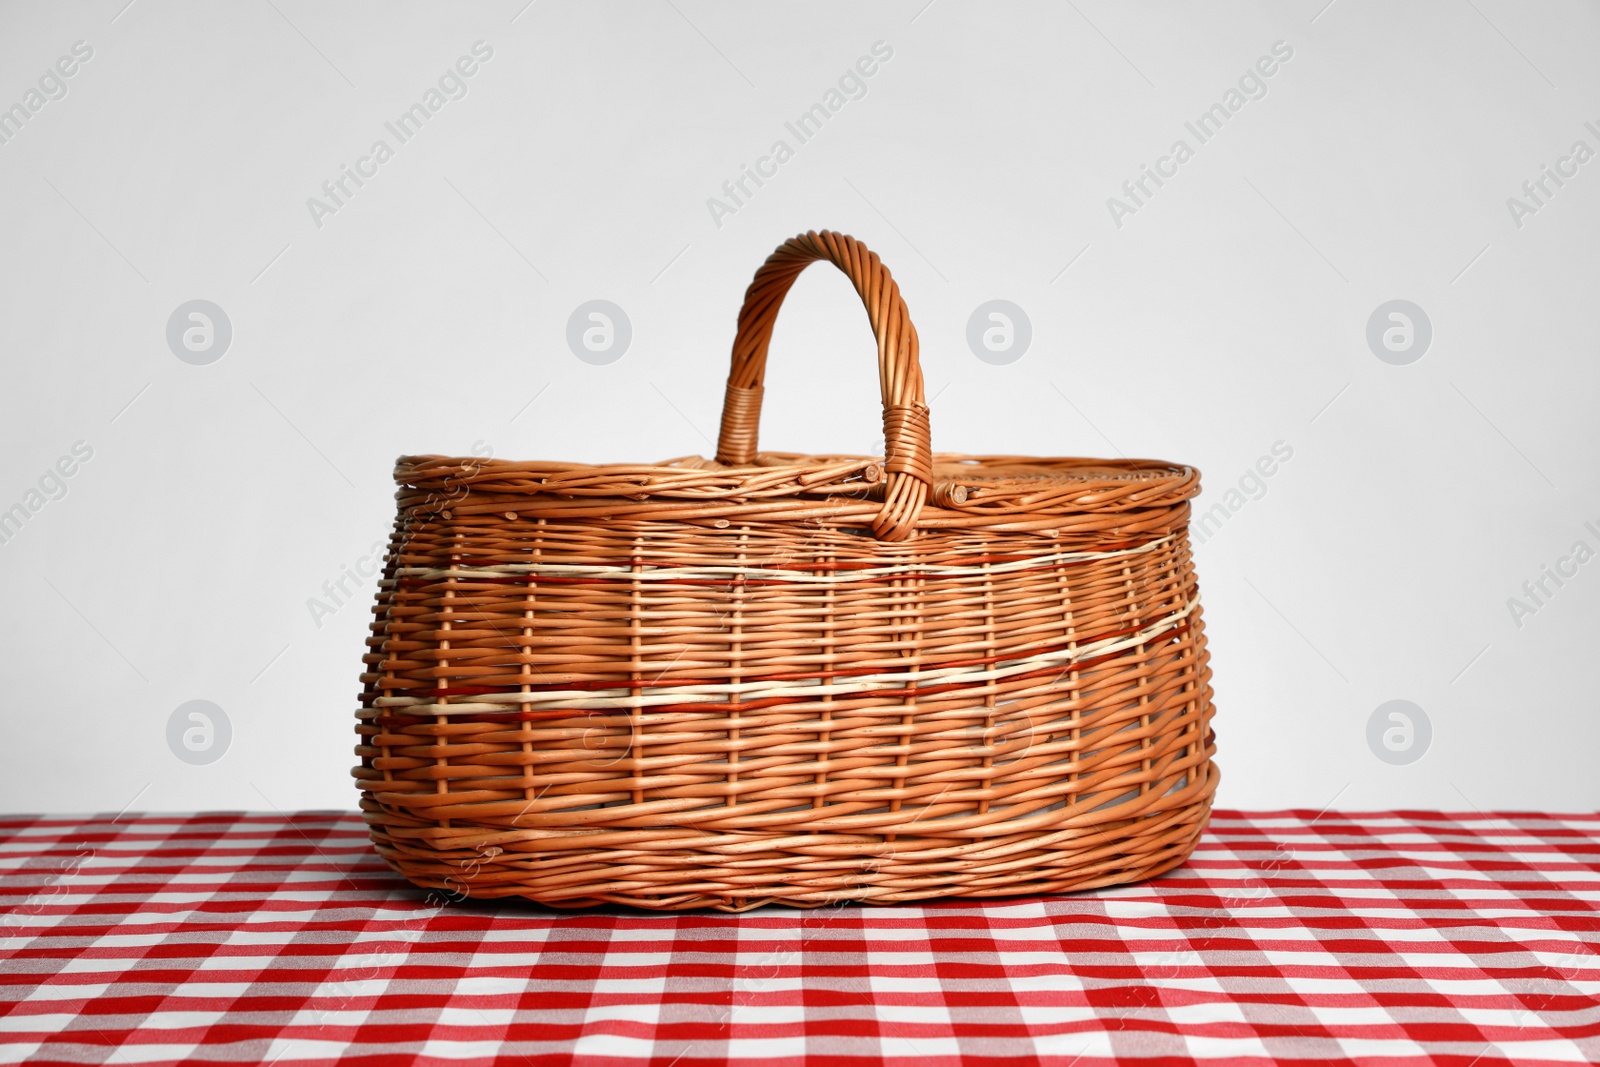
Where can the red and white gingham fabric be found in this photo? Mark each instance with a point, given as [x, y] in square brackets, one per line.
[1389, 938]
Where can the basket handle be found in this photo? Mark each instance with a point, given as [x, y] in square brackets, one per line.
[908, 451]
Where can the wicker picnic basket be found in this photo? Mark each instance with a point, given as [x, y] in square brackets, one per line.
[782, 678]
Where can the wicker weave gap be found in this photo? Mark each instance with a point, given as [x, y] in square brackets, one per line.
[442, 762]
[525, 746]
[827, 661]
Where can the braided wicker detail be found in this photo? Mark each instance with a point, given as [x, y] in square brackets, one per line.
[905, 433]
[909, 448]
[741, 416]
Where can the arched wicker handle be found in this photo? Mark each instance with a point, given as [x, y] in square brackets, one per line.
[908, 452]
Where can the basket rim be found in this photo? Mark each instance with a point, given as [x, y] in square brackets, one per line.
[973, 485]
[978, 465]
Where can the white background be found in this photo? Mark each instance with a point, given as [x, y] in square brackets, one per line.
[1227, 314]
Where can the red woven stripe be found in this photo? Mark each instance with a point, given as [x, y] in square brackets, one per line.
[661, 564]
[847, 672]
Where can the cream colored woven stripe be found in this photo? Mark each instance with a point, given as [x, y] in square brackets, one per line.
[579, 700]
[732, 573]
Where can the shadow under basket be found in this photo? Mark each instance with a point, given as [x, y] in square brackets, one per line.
[784, 679]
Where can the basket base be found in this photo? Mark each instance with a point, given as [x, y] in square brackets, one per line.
[677, 870]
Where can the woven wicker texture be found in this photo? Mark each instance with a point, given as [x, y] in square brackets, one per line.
[778, 678]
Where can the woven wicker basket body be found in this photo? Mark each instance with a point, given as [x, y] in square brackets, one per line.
[774, 678]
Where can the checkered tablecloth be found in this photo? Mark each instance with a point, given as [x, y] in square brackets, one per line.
[1388, 938]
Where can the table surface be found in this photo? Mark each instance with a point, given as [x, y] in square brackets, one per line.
[1391, 937]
